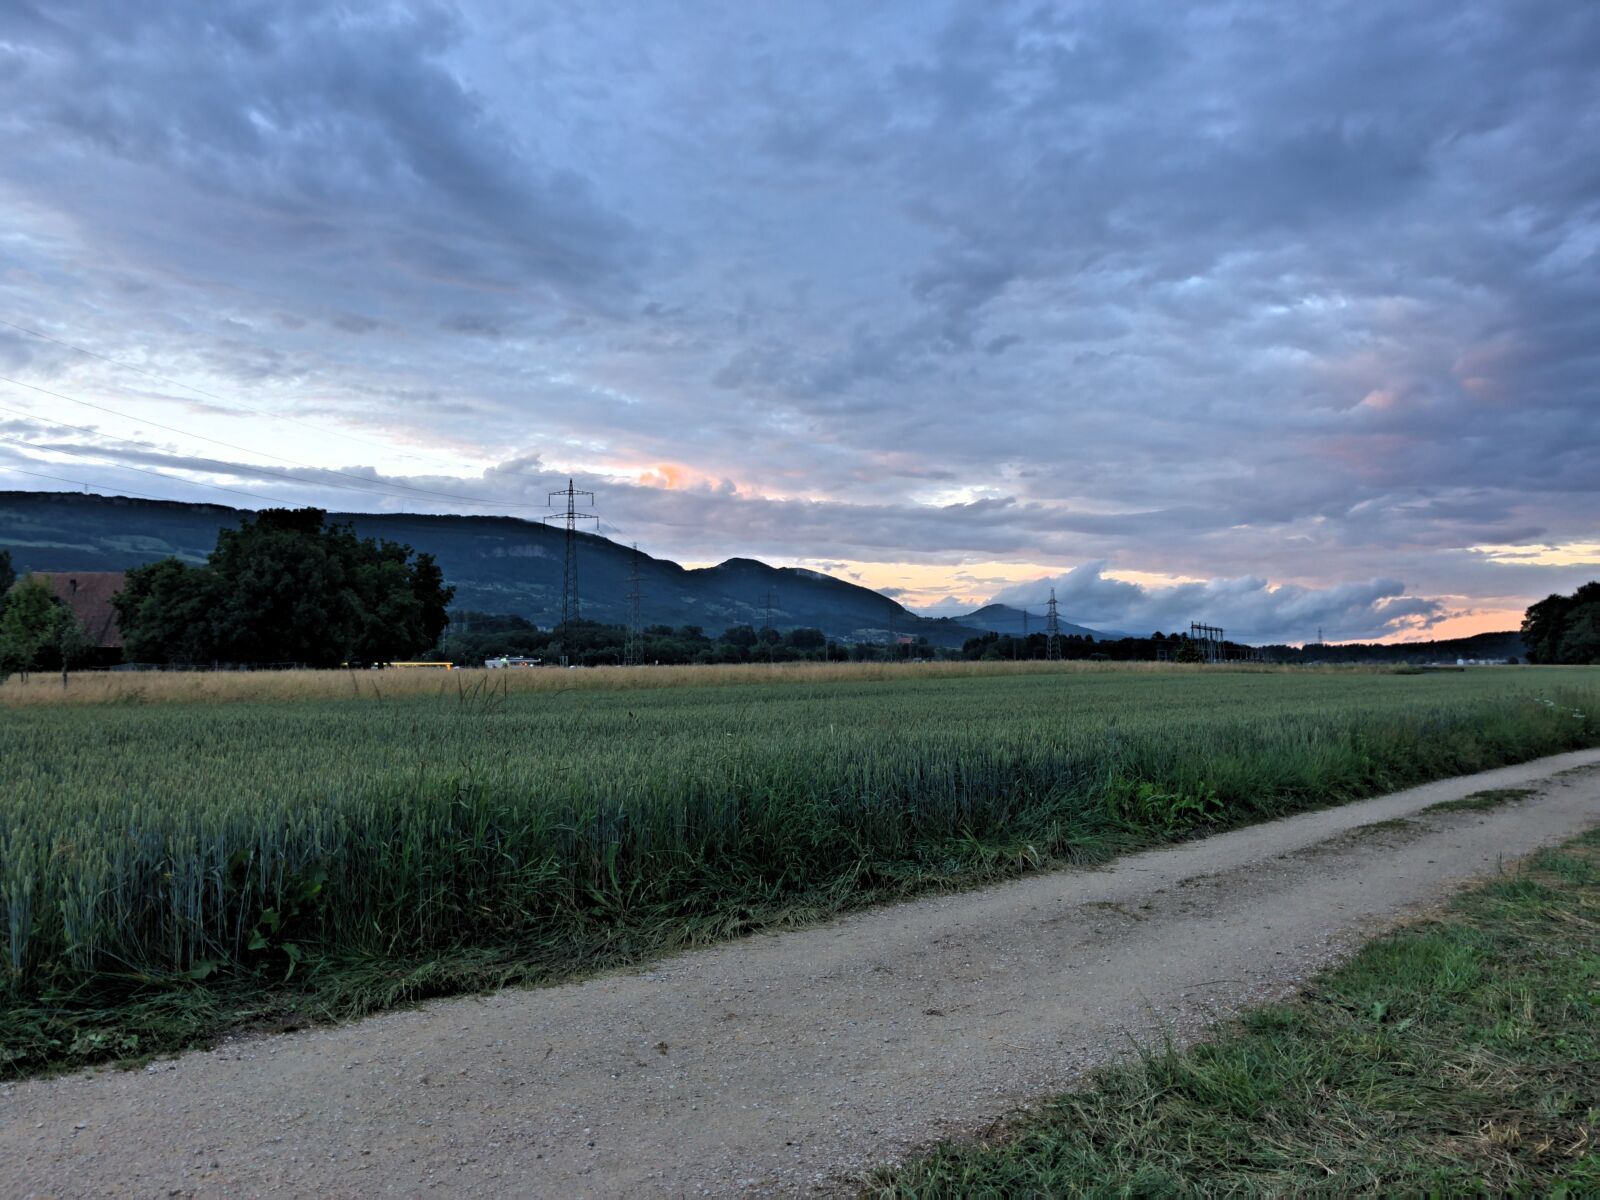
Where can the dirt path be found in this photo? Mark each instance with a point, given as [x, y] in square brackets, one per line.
[785, 1061]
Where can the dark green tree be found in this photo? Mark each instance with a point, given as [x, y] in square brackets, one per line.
[287, 587]
[1580, 638]
[741, 636]
[167, 613]
[807, 639]
[37, 631]
[432, 595]
[1542, 626]
[1562, 629]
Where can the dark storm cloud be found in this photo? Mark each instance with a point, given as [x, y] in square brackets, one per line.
[319, 133]
[1248, 291]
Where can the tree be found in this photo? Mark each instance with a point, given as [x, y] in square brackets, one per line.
[8, 575]
[432, 596]
[1564, 629]
[742, 636]
[167, 613]
[1541, 628]
[73, 645]
[1580, 636]
[37, 631]
[287, 587]
[804, 638]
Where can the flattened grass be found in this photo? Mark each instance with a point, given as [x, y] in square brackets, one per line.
[1460, 1056]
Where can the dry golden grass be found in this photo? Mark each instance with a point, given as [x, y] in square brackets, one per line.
[215, 687]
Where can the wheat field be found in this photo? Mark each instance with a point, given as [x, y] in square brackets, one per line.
[158, 831]
[216, 687]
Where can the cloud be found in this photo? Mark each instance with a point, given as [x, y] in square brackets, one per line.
[1248, 607]
[1239, 292]
[336, 140]
[352, 323]
[473, 323]
[950, 606]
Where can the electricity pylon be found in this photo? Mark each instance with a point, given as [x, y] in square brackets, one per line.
[633, 644]
[569, 575]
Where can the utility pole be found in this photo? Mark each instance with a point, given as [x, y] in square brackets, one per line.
[1024, 629]
[766, 623]
[1052, 630]
[633, 644]
[569, 574]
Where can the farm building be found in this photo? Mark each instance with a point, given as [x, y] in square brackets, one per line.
[88, 594]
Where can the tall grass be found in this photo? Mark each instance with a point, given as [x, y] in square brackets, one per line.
[213, 687]
[148, 845]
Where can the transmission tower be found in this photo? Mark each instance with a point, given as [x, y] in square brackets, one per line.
[766, 623]
[569, 574]
[1211, 640]
[1052, 630]
[633, 644]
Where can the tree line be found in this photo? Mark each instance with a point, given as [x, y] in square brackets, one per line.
[1564, 629]
[1174, 647]
[475, 637]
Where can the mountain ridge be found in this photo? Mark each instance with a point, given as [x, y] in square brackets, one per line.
[1003, 618]
[498, 564]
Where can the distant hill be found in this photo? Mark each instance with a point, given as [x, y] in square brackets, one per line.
[1002, 618]
[497, 564]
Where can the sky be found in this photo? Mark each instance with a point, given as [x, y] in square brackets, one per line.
[1282, 317]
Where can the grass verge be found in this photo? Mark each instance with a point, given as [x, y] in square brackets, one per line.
[1457, 1056]
[1484, 801]
[131, 1019]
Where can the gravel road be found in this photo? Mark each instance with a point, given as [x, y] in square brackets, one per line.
[789, 1061]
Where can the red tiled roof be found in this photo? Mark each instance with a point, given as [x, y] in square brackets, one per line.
[88, 594]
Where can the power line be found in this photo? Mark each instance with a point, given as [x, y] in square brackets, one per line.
[227, 467]
[368, 485]
[83, 483]
[117, 362]
[235, 446]
[116, 466]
